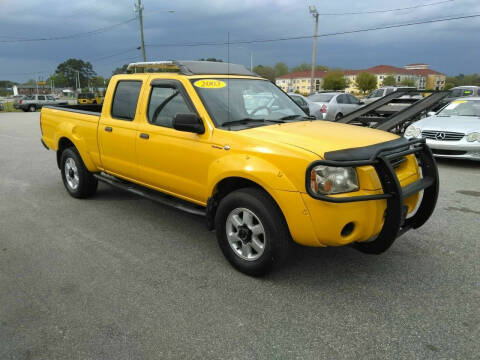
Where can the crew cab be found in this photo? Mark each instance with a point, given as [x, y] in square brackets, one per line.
[217, 140]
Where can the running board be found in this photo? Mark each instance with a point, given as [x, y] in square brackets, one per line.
[152, 194]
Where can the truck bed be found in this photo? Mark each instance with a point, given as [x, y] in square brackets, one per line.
[92, 109]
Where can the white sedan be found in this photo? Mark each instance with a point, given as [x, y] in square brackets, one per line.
[453, 132]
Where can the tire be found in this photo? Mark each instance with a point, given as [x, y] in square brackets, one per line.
[338, 116]
[32, 108]
[78, 181]
[238, 213]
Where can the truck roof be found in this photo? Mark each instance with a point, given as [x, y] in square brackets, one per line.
[187, 67]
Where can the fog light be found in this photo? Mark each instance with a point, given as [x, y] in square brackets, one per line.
[348, 229]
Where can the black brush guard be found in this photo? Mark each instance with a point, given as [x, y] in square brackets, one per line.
[381, 156]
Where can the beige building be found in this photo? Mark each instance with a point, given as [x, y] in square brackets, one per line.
[421, 74]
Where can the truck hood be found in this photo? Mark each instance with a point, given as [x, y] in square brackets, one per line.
[319, 136]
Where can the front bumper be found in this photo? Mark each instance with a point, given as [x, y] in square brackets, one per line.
[381, 157]
[461, 149]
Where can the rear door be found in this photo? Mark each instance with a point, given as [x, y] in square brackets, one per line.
[117, 130]
[41, 100]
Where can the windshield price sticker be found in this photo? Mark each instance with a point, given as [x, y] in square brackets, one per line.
[209, 84]
[454, 104]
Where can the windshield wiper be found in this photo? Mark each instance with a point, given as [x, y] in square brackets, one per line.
[292, 117]
[249, 120]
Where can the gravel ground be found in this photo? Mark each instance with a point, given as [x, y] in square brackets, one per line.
[120, 277]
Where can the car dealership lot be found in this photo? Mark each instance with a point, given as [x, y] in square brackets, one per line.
[120, 277]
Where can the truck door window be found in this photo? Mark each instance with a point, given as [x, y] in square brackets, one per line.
[41, 97]
[165, 103]
[125, 99]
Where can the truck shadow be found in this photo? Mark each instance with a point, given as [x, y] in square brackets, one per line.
[466, 164]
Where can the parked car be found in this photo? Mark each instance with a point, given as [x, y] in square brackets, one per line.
[1, 106]
[262, 176]
[397, 104]
[453, 132]
[457, 93]
[311, 108]
[89, 98]
[334, 105]
[37, 101]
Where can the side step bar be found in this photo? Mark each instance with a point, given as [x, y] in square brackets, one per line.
[152, 194]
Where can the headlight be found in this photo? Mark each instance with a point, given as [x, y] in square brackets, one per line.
[333, 180]
[474, 136]
[412, 131]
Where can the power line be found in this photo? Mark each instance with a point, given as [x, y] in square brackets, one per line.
[389, 10]
[72, 36]
[320, 35]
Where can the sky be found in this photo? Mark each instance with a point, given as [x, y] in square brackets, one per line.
[450, 47]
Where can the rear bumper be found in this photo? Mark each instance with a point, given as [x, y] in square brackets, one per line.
[383, 214]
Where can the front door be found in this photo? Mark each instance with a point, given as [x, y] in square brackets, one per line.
[173, 161]
[117, 131]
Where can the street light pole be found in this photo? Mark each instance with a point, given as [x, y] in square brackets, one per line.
[139, 9]
[314, 13]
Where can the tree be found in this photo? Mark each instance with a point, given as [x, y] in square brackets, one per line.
[70, 68]
[98, 82]
[120, 70]
[389, 80]
[280, 69]
[366, 82]
[211, 59]
[305, 67]
[407, 82]
[335, 80]
[58, 79]
[265, 71]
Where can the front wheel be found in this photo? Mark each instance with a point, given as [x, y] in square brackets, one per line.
[78, 181]
[32, 108]
[251, 231]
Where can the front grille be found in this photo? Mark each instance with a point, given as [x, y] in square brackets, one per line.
[442, 135]
[448, 152]
[398, 161]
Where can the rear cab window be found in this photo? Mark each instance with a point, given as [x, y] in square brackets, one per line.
[125, 99]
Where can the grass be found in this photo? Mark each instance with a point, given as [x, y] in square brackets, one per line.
[8, 107]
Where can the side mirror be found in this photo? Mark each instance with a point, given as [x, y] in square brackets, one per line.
[431, 113]
[188, 123]
[361, 103]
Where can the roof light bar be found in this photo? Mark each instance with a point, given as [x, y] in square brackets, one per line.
[164, 65]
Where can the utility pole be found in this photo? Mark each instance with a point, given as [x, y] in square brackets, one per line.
[314, 13]
[139, 9]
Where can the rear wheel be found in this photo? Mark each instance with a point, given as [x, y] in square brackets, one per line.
[251, 231]
[78, 181]
[338, 116]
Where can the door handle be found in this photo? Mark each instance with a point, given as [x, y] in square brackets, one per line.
[145, 136]
[108, 128]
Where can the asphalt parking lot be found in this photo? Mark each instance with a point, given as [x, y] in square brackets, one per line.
[120, 277]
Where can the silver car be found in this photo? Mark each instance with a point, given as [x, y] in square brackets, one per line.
[453, 132]
[334, 105]
[311, 108]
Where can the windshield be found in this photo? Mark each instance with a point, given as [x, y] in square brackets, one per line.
[462, 108]
[230, 100]
[85, 96]
[321, 97]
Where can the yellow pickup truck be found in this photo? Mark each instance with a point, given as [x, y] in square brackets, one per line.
[217, 140]
[89, 98]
